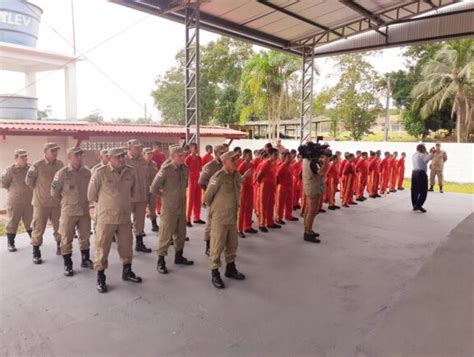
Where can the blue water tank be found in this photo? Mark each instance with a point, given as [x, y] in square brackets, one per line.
[19, 22]
[18, 107]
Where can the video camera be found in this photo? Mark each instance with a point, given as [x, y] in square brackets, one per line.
[313, 150]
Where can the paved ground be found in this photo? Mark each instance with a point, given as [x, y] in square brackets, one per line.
[299, 299]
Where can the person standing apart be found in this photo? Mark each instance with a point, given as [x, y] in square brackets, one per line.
[112, 187]
[135, 160]
[245, 169]
[194, 163]
[19, 197]
[401, 171]
[223, 197]
[152, 170]
[437, 167]
[39, 178]
[419, 178]
[70, 186]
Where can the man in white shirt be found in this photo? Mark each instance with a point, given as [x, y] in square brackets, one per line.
[419, 178]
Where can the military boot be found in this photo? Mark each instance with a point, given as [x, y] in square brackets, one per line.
[208, 247]
[58, 248]
[129, 275]
[68, 265]
[36, 255]
[232, 272]
[140, 246]
[86, 262]
[161, 265]
[180, 260]
[311, 237]
[431, 189]
[11, 242]
[216, 279]
[441, 189]
[154, 225]
[101, 285]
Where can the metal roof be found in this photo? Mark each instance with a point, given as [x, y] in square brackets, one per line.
[46, 127]
[331, 26]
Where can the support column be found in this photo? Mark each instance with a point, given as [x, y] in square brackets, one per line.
[30, 84]
[191, 82]
[70, 91]
[307, 75]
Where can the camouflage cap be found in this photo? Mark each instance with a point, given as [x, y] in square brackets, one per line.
[117, 151]
[147, 150]
[221, 149]
[20, 152]
[50, 146]
[104, 152]
[74, 151]
[176, 149]
[229, 155]
[134, 142]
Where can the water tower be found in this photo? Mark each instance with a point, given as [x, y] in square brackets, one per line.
[19, 25]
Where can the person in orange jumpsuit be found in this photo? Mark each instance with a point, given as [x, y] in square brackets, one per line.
[208, 157]
[348, 176]
[284, 191]
[258, 158]
[362, 172]
[371, 162]
[331, 183]
[159, 158]
[342, 179]
[401, 171]
[297, 182]
[358, 157]
[266, 179]
[337, 163]
[384, 172]
[238, 158]
[194, 163]
[246, 195]
[377, 177]
[393, 172]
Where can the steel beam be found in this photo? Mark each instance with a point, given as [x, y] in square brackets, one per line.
[307, 77]
[191, 75]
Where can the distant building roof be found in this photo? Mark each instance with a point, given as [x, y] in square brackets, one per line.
[285, 121]
[81, 128]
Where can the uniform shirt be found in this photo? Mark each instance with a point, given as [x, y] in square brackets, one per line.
[420, 161]
[151, 173]
[438, 160]
[207, 158]
[349, 169]
[39, 178]
[312, 183]
[13, 180]
[267, 172]
[362, 166]
[384, 165]
[223, 196]
[207, 171]
[95, 167]
[113, 192]
[194, 164]
[284, 176]
[70, 186]
[141, 170]
[170, 184]
[159, 158]
[372, 162]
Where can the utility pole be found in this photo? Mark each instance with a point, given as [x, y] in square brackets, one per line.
[387, 115]
[73, 28]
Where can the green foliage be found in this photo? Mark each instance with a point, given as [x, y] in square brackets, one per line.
[94, 117]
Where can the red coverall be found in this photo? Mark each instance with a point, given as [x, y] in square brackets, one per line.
[362, 172]
[393, 174]
[297, 182]
[384, 172]
[158, 157]
[342, 182]
[246, 199]
[266, 193]
[284, 193]
[400, 173]
[194, 164]
[348, 177]
[206, 158]
[331, 184]
[255, 164]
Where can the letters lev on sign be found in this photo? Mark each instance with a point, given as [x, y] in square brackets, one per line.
[16, 19]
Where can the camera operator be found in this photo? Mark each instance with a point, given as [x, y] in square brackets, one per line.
[314, 185]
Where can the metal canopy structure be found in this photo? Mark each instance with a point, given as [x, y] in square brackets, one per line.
[311, 28]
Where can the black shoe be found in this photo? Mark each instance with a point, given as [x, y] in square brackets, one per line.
[431, 189]
[311, 238]
[422, 210]
[208, 247]
[377, 195]
[180, 260]
[186, 239]
[37, 255]
[373, 196]
[401, 188]
[11, 242]
[68, 265]
[359, 199]
[188, 224]
[274, 226]
[332, 208]
[294, 219]
[322, 211]
[353, 203]
[263, 229]
[86, 262]
[441, 189]
[216, 279]
[140, 246]
[154, 226]
[101, 285]
[251, 230]
[161, 265]
[58, 248]
[199, 221]
[281, 222]
[242, 235]
[337, 207]
[129, 275]
[232, 272]
[315, 234]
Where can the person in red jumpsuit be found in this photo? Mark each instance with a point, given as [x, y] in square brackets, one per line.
[348, 175]
[377, 177]
[401, 171]
[331, 183]
[238, 158]
[337, 164]
[297, 182]
[194, 163]
[208, 157]
[384, 172]
[284, 191]
[257, 160]
[266, 179]
[393, 172]
[159, 158]
[246, 169]
[362, 172]
[342, 178]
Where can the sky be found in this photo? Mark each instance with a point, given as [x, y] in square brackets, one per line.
[117, 77]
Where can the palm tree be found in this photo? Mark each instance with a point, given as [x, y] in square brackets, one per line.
[448, 77]
[265, 87]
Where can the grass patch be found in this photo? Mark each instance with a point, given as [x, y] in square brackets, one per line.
[448, 187]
